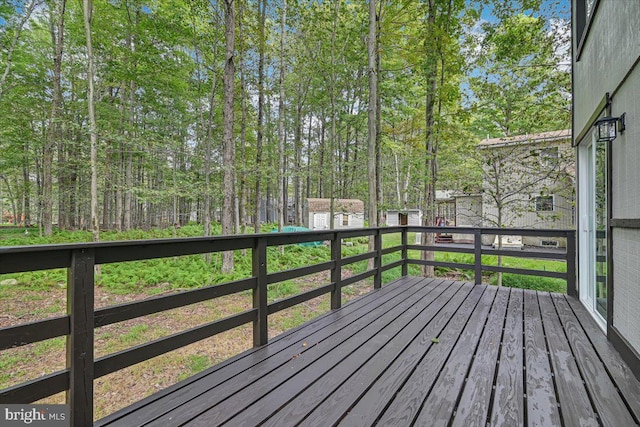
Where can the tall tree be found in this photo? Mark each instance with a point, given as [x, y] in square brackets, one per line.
[56, 26]
[372, 109]
[87, 7]
[228, 144]
[281, 131]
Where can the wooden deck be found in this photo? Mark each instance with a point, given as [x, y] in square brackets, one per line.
[417, 352]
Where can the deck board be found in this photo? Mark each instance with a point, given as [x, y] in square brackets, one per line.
[502, 357]
[508, 399]
[575, 403]
[474, 403]
[542, 404]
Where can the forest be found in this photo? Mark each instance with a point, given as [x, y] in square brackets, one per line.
[125, 114]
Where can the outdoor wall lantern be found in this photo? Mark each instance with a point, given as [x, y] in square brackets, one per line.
[608, 127]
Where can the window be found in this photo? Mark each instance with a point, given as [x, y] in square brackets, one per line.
[583, 15]
[345, 220]
[548, 157]
[544, 203]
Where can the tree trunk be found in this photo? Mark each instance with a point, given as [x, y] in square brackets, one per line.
[53, 134]
[228, 147]
[262, 5]
[281, 134]
[429, 218]
[95, 227]
[242, 208]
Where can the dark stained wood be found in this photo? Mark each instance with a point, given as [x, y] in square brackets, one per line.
[118, 313]
[440, 404]
[358, 277]
[278, 352]
[407, 403]
[508, 399]
[613, 363]
[374, 361]
[310, 386]
[572, 288]
[374, 402]
[477, 257]
[393, 264]
[27, 333]
[377, 261]
[575, 406]
[114, 362]
[540, 273]
[336, 272]
[356, 258]
[391, 250]
[542, 402]
[285, 303]
[442, 264]
[525, 253]
[606, 399]
[217, 406]
[474, 402]
[334, 392]
[259, 296]
[80, 339]
[281, 276]
[36, 389]
[441, 248]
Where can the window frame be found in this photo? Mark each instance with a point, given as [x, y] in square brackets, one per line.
[538, 203]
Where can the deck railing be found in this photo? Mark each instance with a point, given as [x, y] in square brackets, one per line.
[82, 318]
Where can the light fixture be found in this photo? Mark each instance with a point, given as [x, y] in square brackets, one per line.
[608, 127]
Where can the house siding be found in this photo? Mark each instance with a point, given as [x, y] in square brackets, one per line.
[606, 65]
[626, 270]
[520, 210]
[610, 50]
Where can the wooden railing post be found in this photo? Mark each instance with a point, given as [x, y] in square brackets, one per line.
[477, 252]
[259, 258]
[571, 264]
[80, 296]
[336, 271]
[405, 252]
[377, 264]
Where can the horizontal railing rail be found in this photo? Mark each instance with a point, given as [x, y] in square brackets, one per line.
[82, 319]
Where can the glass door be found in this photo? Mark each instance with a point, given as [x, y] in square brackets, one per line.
[593, 226]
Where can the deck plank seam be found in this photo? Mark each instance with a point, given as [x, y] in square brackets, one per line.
[411, 289]
[553, 374]
[348, 337]
[363, 361]
[606, 366]
[388, 403]
[366, 300]
[448, 356]
[575, 359]
[473, 359]
[399, 353]
[426, 352]
[497, 366]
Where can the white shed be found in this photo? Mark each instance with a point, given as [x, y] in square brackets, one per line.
[348, 213]
[404, 217]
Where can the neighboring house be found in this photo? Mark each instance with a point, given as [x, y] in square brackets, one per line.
[529, 182]
[404, 217]
[468, 210]
[348, 213]
[606, 83]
